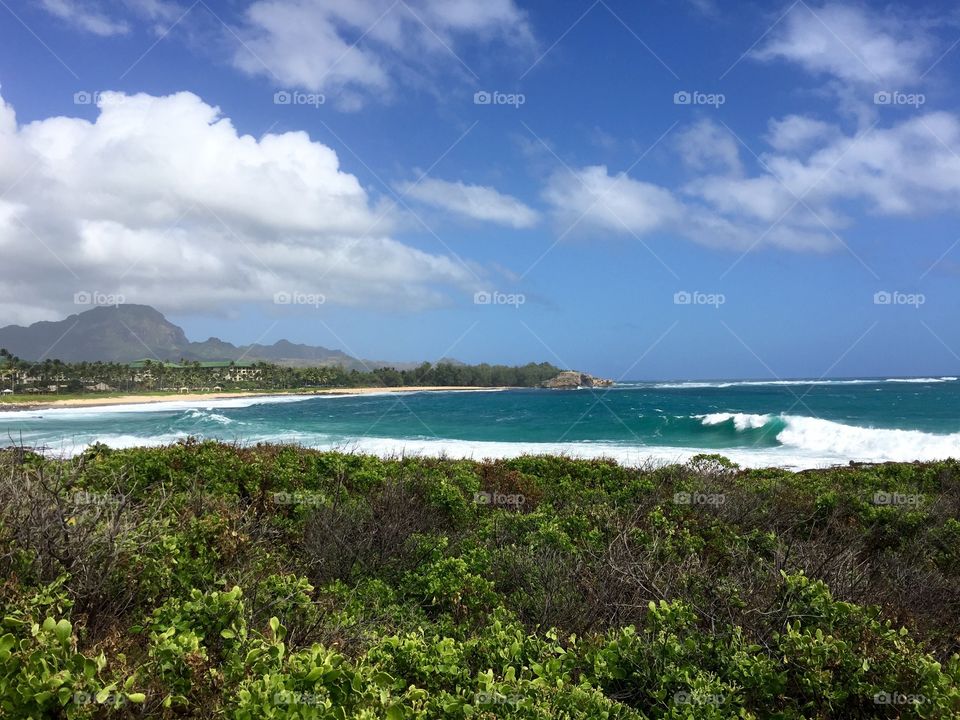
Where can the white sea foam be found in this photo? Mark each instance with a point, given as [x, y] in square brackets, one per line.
[830, 440]
[947, 378]
[208, 414]
[693, 384]
[805, 443]
[741, 421]
[470, 449]
[90, 411]
[869, 444]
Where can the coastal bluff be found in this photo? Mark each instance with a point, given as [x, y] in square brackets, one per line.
[572, 380]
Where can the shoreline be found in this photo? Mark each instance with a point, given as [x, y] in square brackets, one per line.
[147, 399]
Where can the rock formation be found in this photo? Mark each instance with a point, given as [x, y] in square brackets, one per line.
[572, 380]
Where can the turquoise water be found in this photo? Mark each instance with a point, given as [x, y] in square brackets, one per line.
[791, 423]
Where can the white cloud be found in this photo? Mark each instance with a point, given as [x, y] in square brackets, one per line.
[161, 199]
[592, 199]
[85, 16]
[807, 191]
[473, 201]
[905, 169]
[618, 203]
[817, 175]
[107, 18]
[160, 10]
[852, 44]
[360, 48]
[797, 132]
[706, 145]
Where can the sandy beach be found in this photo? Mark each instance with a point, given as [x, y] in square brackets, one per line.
[45, 403]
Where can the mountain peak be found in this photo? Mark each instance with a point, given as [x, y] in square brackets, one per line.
[128, 332]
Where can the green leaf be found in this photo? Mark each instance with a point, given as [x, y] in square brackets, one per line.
[63, 631]
[383, 679]
[6, 644]
[227, 634]
[136, 697]
[395, 712]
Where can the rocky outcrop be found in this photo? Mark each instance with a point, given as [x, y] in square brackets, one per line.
[572, 380]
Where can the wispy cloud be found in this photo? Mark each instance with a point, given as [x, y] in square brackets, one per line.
[477, 202]
[87, 17]
[364, 48]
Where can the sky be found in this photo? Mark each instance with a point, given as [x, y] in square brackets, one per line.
[641, 190]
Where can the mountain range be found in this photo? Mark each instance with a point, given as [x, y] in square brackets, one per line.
[125, 333]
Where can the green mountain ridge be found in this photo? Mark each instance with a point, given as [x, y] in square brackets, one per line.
[125, 333]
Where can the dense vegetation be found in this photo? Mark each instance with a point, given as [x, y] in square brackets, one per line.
[203, 580]
[153, 375]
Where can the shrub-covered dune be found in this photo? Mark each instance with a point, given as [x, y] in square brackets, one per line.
[203, 580]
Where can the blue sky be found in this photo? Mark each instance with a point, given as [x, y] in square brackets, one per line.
[642, 190]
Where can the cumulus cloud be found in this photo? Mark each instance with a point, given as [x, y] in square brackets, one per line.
[809, 184]
[613, 202]
[852, 44]
[905, 169]
[162, 200]
[361, 48]
[477, 202]
[592, 198]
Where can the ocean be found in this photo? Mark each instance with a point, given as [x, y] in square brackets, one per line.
[788, 423]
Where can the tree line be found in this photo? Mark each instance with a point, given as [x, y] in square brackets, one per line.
[18, 374]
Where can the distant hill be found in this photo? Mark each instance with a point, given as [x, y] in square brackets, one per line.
[131, 332]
